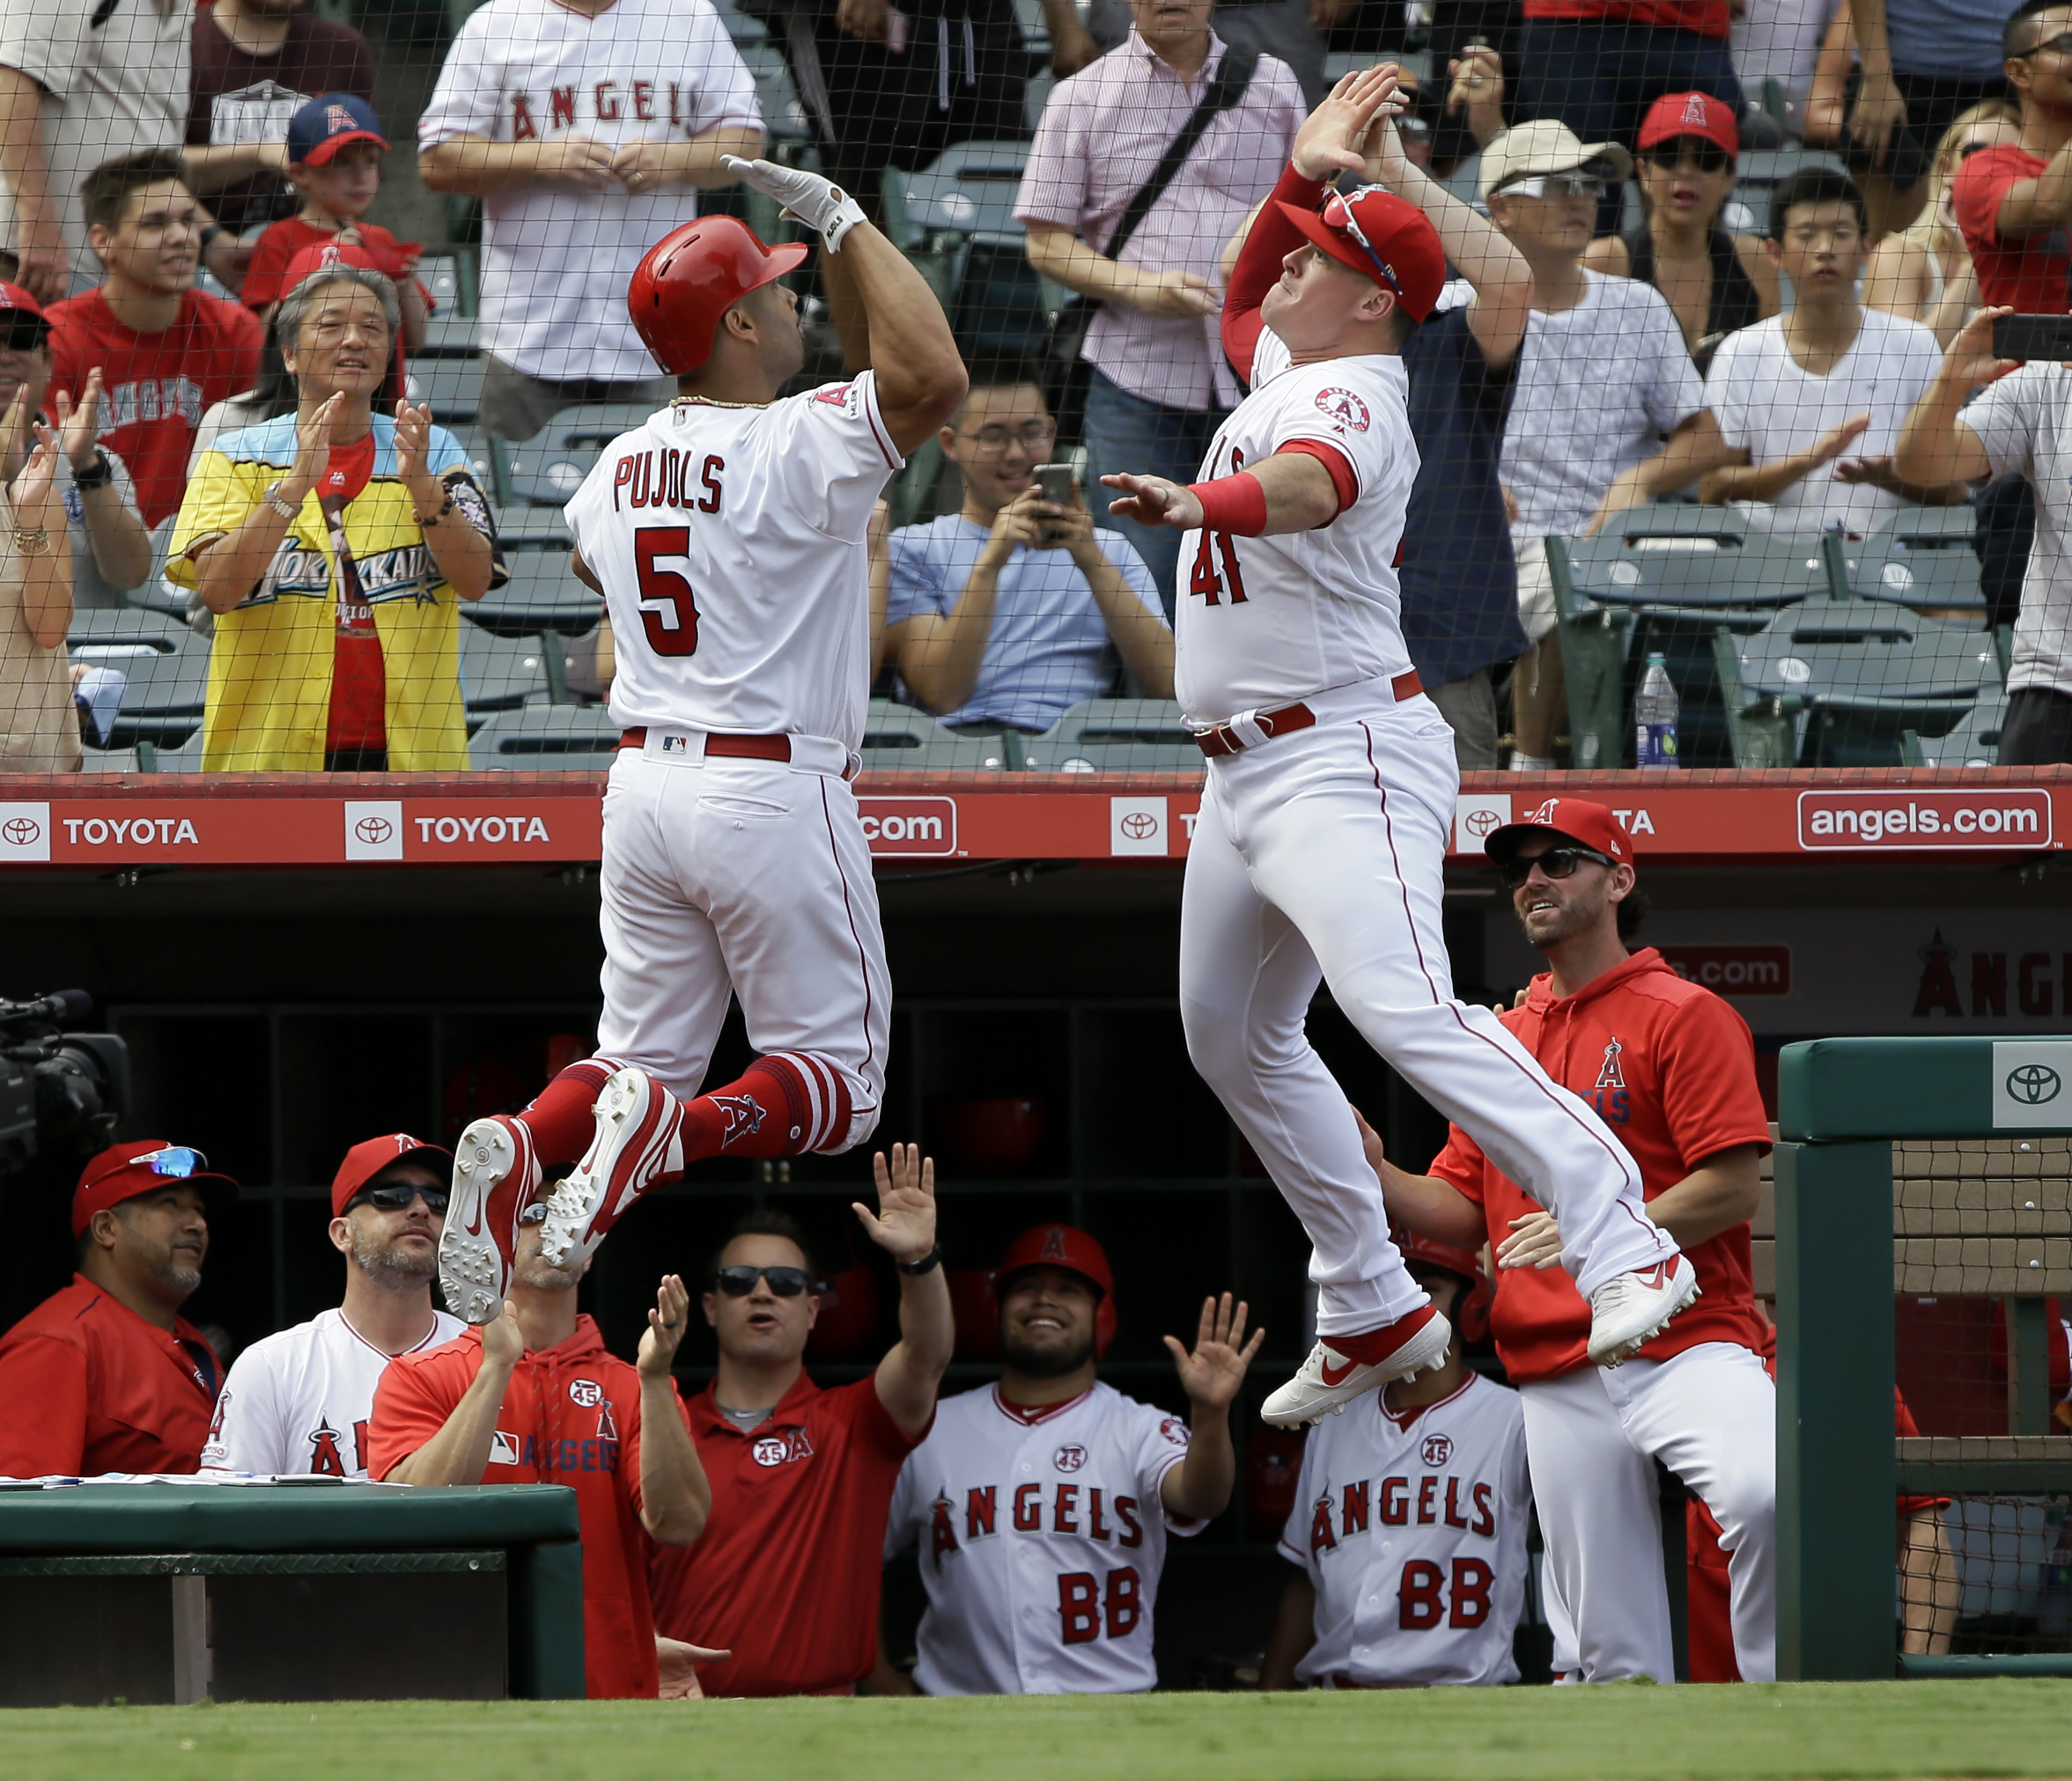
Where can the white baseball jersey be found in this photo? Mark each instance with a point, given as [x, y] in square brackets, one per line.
[1041, 1537]
[1264, 621]
[729, 542]
[299, 1400]
[1411, 1528]
[556, 258]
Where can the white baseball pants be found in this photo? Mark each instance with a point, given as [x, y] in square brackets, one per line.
[1592, 1437]
[731, 876]
[1318, 855]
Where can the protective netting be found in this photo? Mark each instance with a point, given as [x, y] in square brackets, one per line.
[1696, 281]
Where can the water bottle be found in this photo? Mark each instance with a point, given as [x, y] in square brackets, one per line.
[1655, 717]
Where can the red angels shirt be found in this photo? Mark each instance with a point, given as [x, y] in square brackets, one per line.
[91, 1388]
[1707, 17]
[155, 387]
[1670, 1068]
[2027, 271]
[571, 1416]
[358, 686]
[786, 1575]
[265, 281]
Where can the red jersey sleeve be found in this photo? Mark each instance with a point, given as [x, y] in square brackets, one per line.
[1258, 269]
[417, 1394]
[1461, 1164]
[43, 1384]
[1982, 180]
[631, 1457]
[270, 255]
[1708, 1090]
[867, 1413]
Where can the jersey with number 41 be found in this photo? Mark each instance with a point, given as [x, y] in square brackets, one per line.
[1264, 622]
[1411, 1528]
[1041, 1537]
[729, 542]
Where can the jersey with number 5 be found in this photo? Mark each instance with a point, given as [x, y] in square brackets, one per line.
[1264, 622]
[1041, 1535]
[1411, 1526]
[729, 541]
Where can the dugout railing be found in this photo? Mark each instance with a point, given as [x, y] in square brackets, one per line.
[1907, 1166]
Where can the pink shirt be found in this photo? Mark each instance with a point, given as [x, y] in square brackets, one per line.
[1104, 132]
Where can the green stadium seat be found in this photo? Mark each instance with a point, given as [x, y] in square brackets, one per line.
[164, 664]
[541, 595]
[538, 738]
[1117, 736]
[899, 738]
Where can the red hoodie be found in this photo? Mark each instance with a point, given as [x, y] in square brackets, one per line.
[571, 1416]
[1670, 1068]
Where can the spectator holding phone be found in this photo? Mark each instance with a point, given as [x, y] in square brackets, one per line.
[2014, 203]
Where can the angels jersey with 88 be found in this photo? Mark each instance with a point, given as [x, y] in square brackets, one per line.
[299, 1400]
[1411, 1528]
[1042, 1538]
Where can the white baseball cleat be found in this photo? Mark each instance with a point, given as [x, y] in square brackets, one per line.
[495, 1175]
[637, 1143]
[1330, 1380]
[1631, 1309]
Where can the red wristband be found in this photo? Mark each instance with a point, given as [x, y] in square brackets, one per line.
[1232, 504]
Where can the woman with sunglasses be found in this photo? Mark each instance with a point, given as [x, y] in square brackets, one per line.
[1924, 273]
[1715, 281]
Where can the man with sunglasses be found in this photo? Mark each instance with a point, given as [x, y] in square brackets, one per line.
[1332, 785]
[300, 1400]
[1670, 1068]
[2014, 203]
[106, 1376]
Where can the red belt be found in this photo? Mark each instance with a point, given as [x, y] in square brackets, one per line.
[1221, 739]
[753, 748]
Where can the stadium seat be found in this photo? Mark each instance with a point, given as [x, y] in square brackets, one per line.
[1757, 171]
[1975, 741]
[897, 739]
[1889, 565]
[548, 468]
[452, 386]
[957, 221]
[165, 665]
[147, 757]
[544, 738]
[783, 114]
[542, 594]
[500, 673]
[1117, 736]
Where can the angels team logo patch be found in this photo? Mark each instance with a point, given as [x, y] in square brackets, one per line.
[782, 1448]
[1609, 1076]
[585, 1391]
[1175, 1431]
[1436, 1451]
[1345, 409]
[1070, 1458]
[744, 1117]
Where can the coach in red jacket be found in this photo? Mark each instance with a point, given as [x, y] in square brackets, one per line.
[533, 1397]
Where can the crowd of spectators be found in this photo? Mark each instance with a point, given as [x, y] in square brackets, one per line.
[1766, 361]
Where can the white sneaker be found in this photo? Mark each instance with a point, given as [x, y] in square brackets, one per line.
[637, 1143]
[496, 1175]
[1631, 1309]
[1330, 1380]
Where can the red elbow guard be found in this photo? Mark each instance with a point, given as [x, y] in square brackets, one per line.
[1232, 504]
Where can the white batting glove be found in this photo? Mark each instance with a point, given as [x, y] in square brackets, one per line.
[819, 203]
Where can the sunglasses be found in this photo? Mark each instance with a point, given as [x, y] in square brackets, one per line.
[1555, 185]
[397, 1197]
[25, 333]
[1338, 214]
[2060, 45]
[178, 1161]
[1708, 157]
[738, 1280]
[1556, 862]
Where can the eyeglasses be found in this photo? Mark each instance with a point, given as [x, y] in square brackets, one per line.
[1033, 437]
[2059, 45]
[397, 1196]
[1702, 153]
[1554, 185]
[1556, 862]
[25, 333]
[739, 1281]
[1338, 214]
[176, 1160]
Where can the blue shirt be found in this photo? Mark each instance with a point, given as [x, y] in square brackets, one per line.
[1948, 39]
[1048, 647]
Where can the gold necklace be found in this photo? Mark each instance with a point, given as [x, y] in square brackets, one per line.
[712, 401]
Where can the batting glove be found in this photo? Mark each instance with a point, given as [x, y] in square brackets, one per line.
[819, 203]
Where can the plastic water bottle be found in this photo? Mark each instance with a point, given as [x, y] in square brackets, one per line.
[1655, 717]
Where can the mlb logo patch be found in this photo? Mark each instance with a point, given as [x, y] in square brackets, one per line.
[676, 745]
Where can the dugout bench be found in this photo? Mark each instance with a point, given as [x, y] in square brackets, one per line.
[156, 1594]
[1922, 1166]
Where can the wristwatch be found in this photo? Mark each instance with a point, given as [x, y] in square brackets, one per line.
[209, 231]
[97, 475]
[932, 1260]
[273, 500]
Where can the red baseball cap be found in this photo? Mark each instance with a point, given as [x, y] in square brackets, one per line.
[1576, 818]
[367, 1159]
[1401, 252]
[325, 256]
[123, 1171]
[1067, 1246]
[1699, 114]
[14, 297]
[1450, 1256]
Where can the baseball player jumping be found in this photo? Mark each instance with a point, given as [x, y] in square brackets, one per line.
[1332, 784]
[727, 537]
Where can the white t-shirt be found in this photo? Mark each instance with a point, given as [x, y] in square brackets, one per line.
[1262, 621]
[1412, 1531]
[729, 543]
[556, 258]
[1596, 388]
[299, 1401]
[1041, 1543]
[1767, 406]
[2025, 422]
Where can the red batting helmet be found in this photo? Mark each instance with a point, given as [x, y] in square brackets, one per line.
[1471, 1309]
[1061, 1246]
[693, 275]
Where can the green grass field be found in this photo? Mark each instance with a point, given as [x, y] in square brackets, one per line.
[1982, 1728]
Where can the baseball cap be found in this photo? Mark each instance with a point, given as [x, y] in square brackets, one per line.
[123, 1171]
[1548, 146]
[1576, 818]
[325, 255]
[1400, 237]
[1690, 114]
[367, 1159]
[19, 309]
[1450, 1256]
[1064, 1246]
[323, 126]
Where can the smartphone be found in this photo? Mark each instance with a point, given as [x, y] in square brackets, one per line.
[1055, 480]
[2031, 337]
